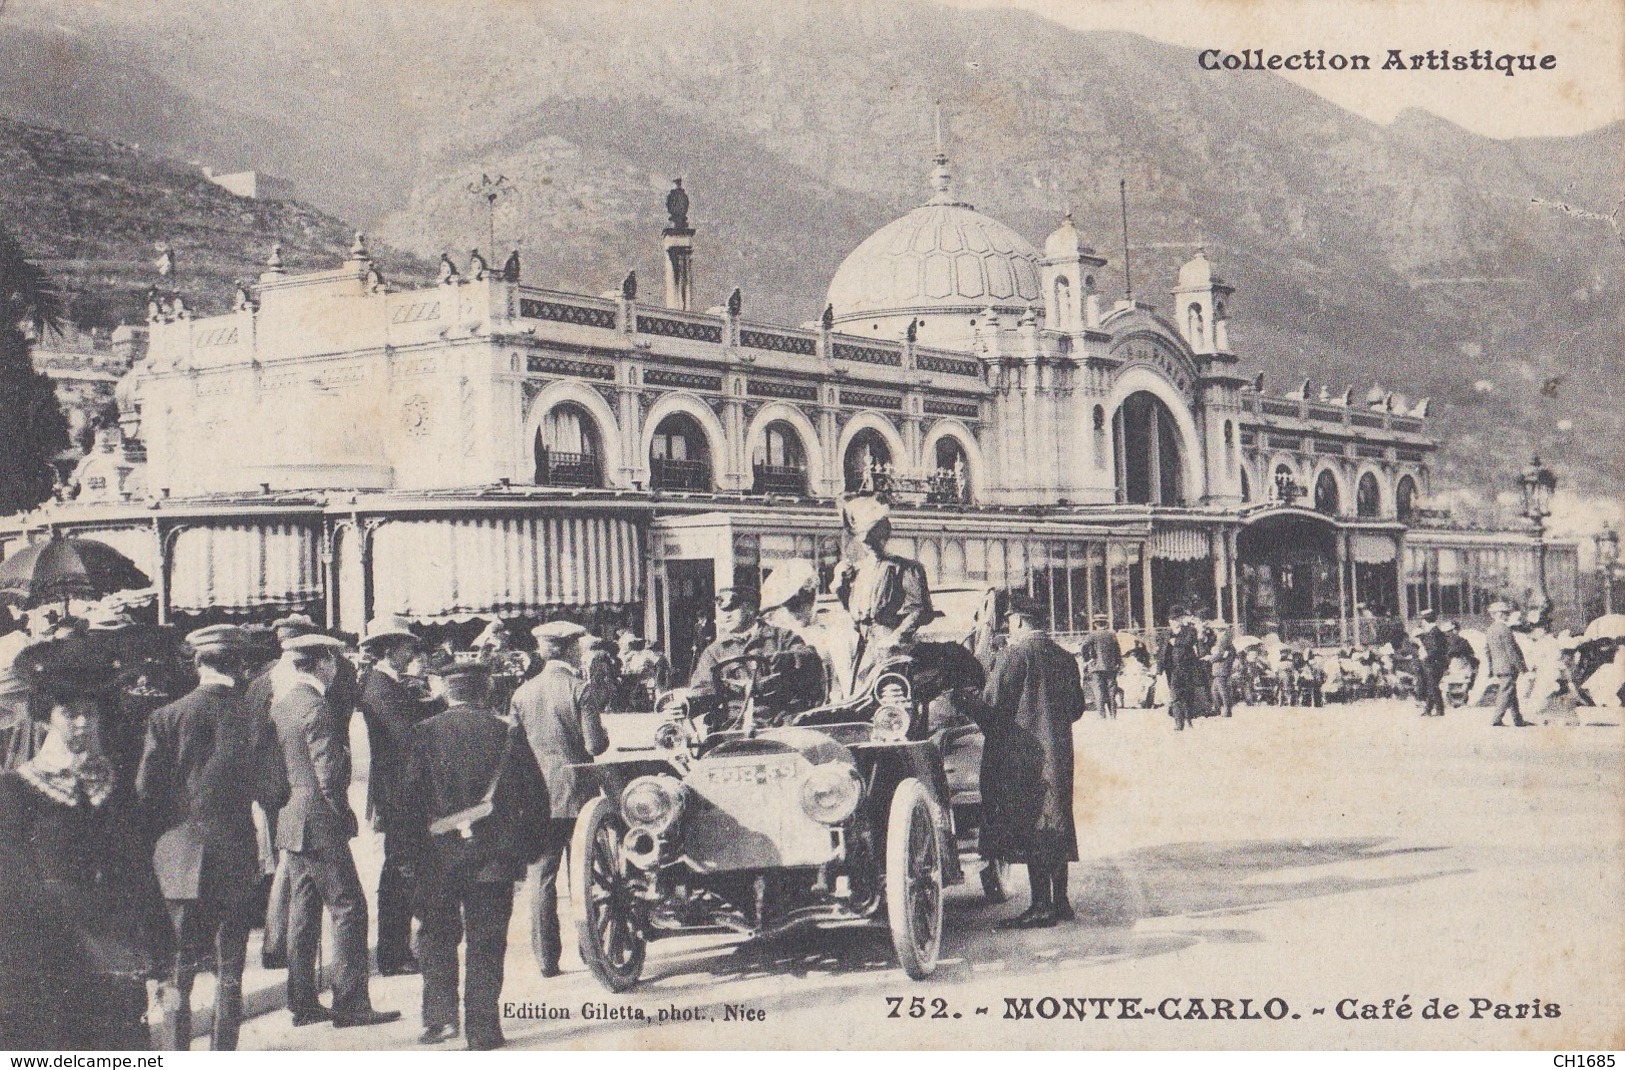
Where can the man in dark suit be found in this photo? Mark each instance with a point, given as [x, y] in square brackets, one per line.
[1222, 659]
[480, 807]
[1506, 664]
[391, 706]
[207, 759]
[1179, 660]
[563, 727]
[1103, 660]
[315, 829]
[1434, 662]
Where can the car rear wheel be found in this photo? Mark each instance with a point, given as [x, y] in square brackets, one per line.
[612, 938]
[914, 879]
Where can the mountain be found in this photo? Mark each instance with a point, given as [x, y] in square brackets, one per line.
[1418, 255]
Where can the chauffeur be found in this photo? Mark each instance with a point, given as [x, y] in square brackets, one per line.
[477, 801]
[208, 757]
[792, 678]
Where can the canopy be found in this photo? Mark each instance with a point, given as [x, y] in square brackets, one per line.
[238, 567]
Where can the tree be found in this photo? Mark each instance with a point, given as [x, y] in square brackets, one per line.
[32, 428]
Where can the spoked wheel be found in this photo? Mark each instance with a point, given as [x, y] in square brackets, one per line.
[914, 880]
[612, 938]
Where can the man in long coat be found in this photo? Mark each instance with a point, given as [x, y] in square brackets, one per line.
[1506, 664]
[1181, 663]
[314, 828]
[207, 760]
[563, 728]
[461, 758]
[391, 708]
[1103, 660]
[1033, 696]
[1432, 665]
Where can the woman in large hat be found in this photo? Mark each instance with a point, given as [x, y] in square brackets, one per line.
[83, 920]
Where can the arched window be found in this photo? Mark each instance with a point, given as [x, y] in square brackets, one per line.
[679, 458]
[1405, 498]
[1286, 487]
[1368, 497]
[780, 464]
[1196, 328]
[1145, 444]
[568, 451]
[868, 462]
[1326, 497]
[1063, 303]
[950, 480]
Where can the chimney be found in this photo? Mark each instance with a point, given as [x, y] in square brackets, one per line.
[677, 241]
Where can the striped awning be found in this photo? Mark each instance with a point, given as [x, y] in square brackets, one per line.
[1179, 544]
[1372, 549]
[463, 566]
[138, 543]
[237, 567]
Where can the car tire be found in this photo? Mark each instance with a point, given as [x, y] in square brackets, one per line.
[612, 940]
[914, 879]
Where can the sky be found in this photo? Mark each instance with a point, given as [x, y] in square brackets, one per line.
[1585, 90]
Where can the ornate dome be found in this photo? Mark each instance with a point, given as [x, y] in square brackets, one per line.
[943, 257]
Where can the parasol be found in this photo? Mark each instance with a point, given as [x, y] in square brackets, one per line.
[1611, 626]
[64, 568]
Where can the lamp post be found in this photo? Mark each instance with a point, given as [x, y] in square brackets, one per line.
[1537, 483]
[1607, 541]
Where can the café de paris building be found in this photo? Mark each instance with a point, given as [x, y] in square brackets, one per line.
[482, 446]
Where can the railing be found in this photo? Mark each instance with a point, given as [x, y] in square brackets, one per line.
[780, 479]
[556, 469]
[665, 473]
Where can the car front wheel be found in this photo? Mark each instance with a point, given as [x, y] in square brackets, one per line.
[914, 879]
[612, 938]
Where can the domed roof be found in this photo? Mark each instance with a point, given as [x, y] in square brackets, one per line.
[942, 256]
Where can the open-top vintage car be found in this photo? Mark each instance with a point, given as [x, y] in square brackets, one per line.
[836, 816]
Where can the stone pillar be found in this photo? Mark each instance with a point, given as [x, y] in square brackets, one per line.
[1146, 586]
[1341, 543]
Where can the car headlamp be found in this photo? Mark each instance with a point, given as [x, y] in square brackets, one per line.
[671, 736]
[831, 792]
[652, 802]
[891, 721]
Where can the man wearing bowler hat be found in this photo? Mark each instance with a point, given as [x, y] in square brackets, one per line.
[314, 829]
[390, 706]
[478, 804]
[561, 723]
[207, 759]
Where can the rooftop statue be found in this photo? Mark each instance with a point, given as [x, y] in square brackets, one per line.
[677, 205]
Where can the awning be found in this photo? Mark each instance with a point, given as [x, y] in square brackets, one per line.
[1372, 549]
[1179, 544]
[138, 543]
[236, 567]
[460, 567]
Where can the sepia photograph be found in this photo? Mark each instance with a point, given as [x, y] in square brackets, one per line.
[812, 524]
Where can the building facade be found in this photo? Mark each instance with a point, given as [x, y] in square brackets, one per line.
[484, 446]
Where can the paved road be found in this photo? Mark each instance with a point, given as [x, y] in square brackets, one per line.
[1312, 856]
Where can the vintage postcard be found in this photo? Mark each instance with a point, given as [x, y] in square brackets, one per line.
[916, 524]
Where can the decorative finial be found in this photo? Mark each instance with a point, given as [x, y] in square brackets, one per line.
[629, 285]
[273, 264]
[510, 267]
[448, 270]
[358, 247]
[677, 206]
[476, 264]
[736, 302]
[913, 330]
[829, 317]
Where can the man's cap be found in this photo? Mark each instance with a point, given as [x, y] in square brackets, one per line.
[1099, 620]
[1500, 607]
[390, 627]
[787, 580]
[217, 637]
[558, 631]
[1448, 626]
[293, 624]
[107, 617]
[71, 668]
[450, 667]
[312, 643]
[863, 512]
[1025, 604]
[1427, 614]
[260, 638]
[737, 598]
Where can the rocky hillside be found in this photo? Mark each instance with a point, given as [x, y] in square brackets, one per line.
[1418, 254]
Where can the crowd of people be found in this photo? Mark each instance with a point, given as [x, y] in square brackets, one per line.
[154, 811]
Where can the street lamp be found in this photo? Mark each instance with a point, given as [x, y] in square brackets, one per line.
[1538, 482]
[1607, 541]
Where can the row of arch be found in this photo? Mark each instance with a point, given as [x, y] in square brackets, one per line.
[1329, 493]
[576, 440]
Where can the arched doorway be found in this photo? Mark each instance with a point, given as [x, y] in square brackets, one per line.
[568, 450]
[1368, 498]
[868, 462]
[679, 457]
[780, 463]
[1326, 495]
[1289, 577]
[1405, 499]
[950, 476]
[1145, 444]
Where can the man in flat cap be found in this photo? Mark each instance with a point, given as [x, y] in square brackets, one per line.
[391, 706]
[478, 803]
[314, 829]
[207, 759]
[1102, 660]
[562, 724]
[887, 595]
[1506, 664]
[789, 677]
